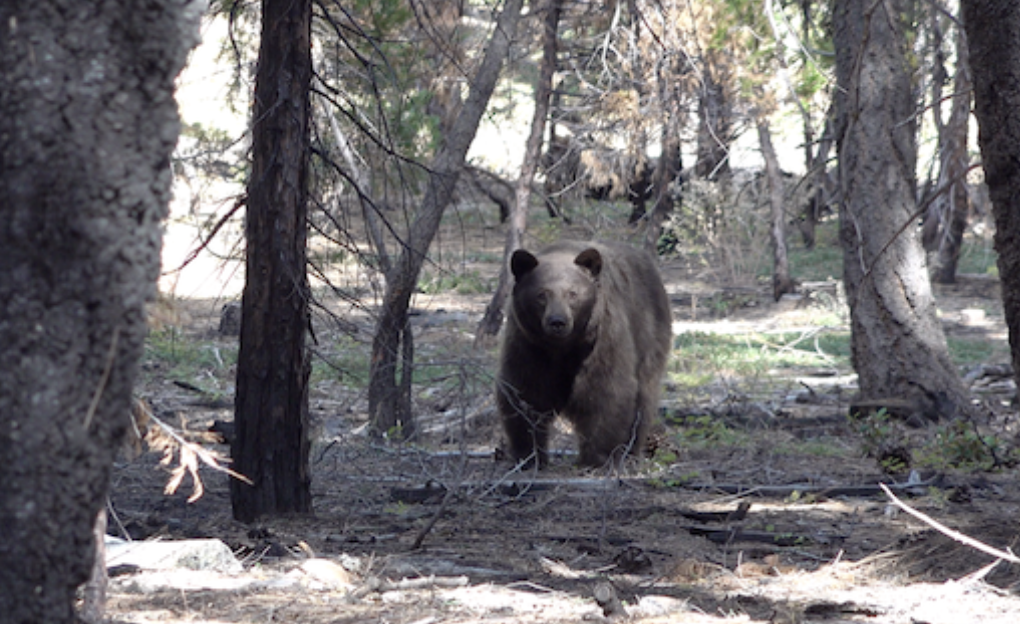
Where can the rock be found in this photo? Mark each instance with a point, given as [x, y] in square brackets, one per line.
[199, 554]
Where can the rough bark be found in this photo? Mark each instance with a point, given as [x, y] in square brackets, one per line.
[389, 403]
[271, 404]
[492, 320]
[993, 28]
[897, 344]
[781, 281]
[87, 126]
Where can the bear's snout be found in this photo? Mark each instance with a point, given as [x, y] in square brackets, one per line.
[557, 324]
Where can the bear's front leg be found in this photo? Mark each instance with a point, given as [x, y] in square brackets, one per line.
[611, 428]
[527, 430]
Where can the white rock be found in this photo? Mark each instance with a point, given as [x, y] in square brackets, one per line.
[200, 554]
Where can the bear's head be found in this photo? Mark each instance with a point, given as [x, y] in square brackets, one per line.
[555, 294]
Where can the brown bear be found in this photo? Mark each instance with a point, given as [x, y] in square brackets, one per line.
[588, 332]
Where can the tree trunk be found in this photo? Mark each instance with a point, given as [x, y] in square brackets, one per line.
[714, 127]
[951, 209]
[992, 31]
[897, 344]
[389, 404]
[818, 174]
[88, 123]
[489, 326]
[271, 404]
[781, 282]
[667, 171]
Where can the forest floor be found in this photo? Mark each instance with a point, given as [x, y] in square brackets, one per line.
[760, 504]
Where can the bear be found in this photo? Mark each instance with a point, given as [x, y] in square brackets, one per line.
[587, 336]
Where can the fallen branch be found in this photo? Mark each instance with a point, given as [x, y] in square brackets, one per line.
[956, 535]
[376, 584]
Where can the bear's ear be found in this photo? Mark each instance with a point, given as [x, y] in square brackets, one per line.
[521, 263]
[590, 259]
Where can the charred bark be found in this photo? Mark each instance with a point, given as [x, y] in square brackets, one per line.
[271, 403]
[992, 30]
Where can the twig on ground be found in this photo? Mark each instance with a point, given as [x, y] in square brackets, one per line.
[956, 535]
[425, 530]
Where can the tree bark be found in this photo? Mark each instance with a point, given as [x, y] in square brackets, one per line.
[88, 123]
[781, 282]
[715, 125]
[389, 404]
[492, 320]
[897, 344]
[992, 30]
[271, 403]
[949, 212]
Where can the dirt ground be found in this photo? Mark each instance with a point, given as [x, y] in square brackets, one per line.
[786, 526]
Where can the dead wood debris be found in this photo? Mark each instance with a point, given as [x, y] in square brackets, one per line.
[376, 584]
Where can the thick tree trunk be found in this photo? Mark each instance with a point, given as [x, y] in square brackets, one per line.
[88, 123]
[492, 320]
[389, 403]
[781, 282]
[271, 405]
[898, 348]
[993, 28]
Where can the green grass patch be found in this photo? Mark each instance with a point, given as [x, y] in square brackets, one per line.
[347, 360]
[179, 357]
[705, 431]
[816, 447]
[977, 256]
[699, 357]
[820, 263]
[463, 283]
[971, 351]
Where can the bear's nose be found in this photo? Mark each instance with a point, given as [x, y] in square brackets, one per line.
[557, 323]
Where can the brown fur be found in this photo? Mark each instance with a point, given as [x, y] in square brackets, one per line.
[587, 336]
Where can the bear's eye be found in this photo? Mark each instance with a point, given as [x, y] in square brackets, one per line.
[543, 297]
[572, 295]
